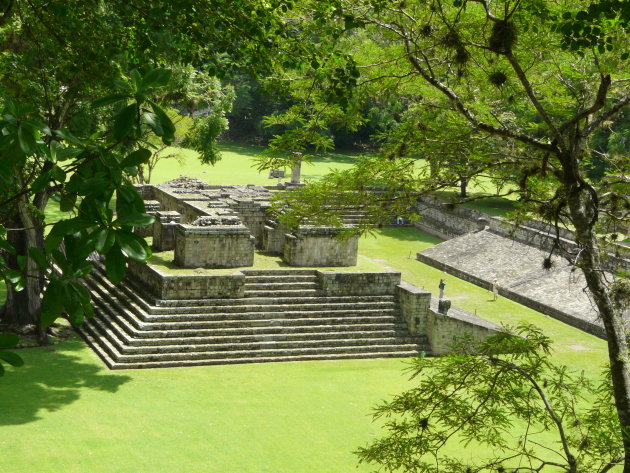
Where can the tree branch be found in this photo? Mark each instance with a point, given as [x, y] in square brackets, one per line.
[607, 114]
[600, 101]
[459, 105]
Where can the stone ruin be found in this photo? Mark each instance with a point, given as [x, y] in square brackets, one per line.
[211, 226]
[162, 318]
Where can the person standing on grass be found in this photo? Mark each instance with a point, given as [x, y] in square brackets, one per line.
[441, 286]
[495, 290]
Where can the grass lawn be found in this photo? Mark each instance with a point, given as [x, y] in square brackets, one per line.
[163, 261]
[238, 166]
[64, 411]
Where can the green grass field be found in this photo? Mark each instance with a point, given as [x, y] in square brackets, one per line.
[65, 412]
[238, 166]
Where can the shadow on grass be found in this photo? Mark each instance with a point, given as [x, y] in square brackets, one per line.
[245, 150]
[409, 234]
[51, 378]
[340, 157]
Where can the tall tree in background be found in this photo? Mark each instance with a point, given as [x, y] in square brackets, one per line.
[539, 78]
[58, 58]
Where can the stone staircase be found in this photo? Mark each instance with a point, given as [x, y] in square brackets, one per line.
[281, 318]
[353, 217]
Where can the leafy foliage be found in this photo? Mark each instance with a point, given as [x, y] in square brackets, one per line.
[9, 340]
[509, 398]
[87, 173]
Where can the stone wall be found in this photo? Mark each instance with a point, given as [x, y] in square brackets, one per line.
[443, 330]
[164, 230]
[447, 221]
[414, 306]
[191, 210]
[320, 246]
[197, 286]
[151, 207]
[220, 246]
[273, 239]
[253, 214]
[357, 284]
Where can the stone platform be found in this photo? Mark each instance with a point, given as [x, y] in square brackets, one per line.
[480, 257]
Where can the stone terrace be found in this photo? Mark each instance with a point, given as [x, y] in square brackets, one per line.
[283, 315]
[481, 256]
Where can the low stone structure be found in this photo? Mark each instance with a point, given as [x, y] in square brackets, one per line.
[213, 246]
[165, 286]
[481, 257]
[163, 230]
[321, 246]
[209, 226]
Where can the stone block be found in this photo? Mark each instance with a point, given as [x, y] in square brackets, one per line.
[443, 330]
[414, 306]
[357, 284]
[320, 246]
[220, 246]
[273, 239]
[151, 207]
[164, 230]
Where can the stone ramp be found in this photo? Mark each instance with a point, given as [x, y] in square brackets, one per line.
[281, 318]
[480, 257]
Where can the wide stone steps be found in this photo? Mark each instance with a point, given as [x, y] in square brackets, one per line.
[282, 279]
[280, 286]
[131, 330]
[321, 326]
[282, 293]
[185, 315]
[119, 339]
[107, 354]
[246, 352]
[138, 326]
[128, 334]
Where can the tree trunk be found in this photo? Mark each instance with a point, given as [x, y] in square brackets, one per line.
[24, 307]
[463, 186]
[583, 210]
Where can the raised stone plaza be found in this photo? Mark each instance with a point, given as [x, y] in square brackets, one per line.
[204, 315]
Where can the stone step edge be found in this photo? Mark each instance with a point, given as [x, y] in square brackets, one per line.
[264, 315]
[131, 334]
[278, 359]
[114, 364]
[148, 327]
[113, 349]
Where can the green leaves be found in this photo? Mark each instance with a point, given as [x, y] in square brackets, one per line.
[136, 220]
[125, 121]
[154, 79]
[27, 140]
[136, 158]
[9, 340]
[67, 296]
[133, 245]
[109, 100]
[52, 302]
[115, 265]
[166, 125]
